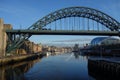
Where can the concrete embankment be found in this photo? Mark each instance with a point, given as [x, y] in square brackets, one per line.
[20, 58]
[102, 69]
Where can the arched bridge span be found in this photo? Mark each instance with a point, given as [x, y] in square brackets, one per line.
[85, 12]
[17, 37]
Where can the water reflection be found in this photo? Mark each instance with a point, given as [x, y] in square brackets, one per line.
[70, 66]
[76, 54]
[16, 71]
[60, 67]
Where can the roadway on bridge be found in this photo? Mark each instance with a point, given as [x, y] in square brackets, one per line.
[64, 32]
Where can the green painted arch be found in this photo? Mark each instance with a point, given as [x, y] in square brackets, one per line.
[85, 12]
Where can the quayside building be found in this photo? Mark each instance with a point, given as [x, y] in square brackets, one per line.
[103, 45]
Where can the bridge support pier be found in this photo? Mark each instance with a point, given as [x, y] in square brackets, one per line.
[3, 37]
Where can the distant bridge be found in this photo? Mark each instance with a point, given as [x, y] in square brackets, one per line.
[67, 21]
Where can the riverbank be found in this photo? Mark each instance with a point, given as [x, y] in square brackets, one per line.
[100, 54]
[18, 58]
[90, 52]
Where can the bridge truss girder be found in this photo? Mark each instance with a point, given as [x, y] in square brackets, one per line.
[84, 12]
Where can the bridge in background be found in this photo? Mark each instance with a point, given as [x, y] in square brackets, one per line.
[67, 21]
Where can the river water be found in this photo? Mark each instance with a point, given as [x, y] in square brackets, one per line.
[67, 66]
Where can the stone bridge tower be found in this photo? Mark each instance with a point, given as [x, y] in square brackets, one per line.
[3, 37]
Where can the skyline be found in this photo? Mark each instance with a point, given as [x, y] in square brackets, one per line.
[23, 13]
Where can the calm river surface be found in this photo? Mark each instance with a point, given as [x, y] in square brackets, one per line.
[58, 67]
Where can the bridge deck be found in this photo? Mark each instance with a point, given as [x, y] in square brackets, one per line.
[64, 32]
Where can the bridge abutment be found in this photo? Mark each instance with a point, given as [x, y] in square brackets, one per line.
[3, 37]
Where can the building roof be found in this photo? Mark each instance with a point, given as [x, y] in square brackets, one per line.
[98, 40]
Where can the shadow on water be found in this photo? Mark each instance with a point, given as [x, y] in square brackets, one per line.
[16, 71]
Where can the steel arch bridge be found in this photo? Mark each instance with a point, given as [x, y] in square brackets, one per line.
[71, 20]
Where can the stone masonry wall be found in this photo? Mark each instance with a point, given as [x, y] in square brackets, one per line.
[3, 37]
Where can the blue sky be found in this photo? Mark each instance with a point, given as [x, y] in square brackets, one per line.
[26, 12]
